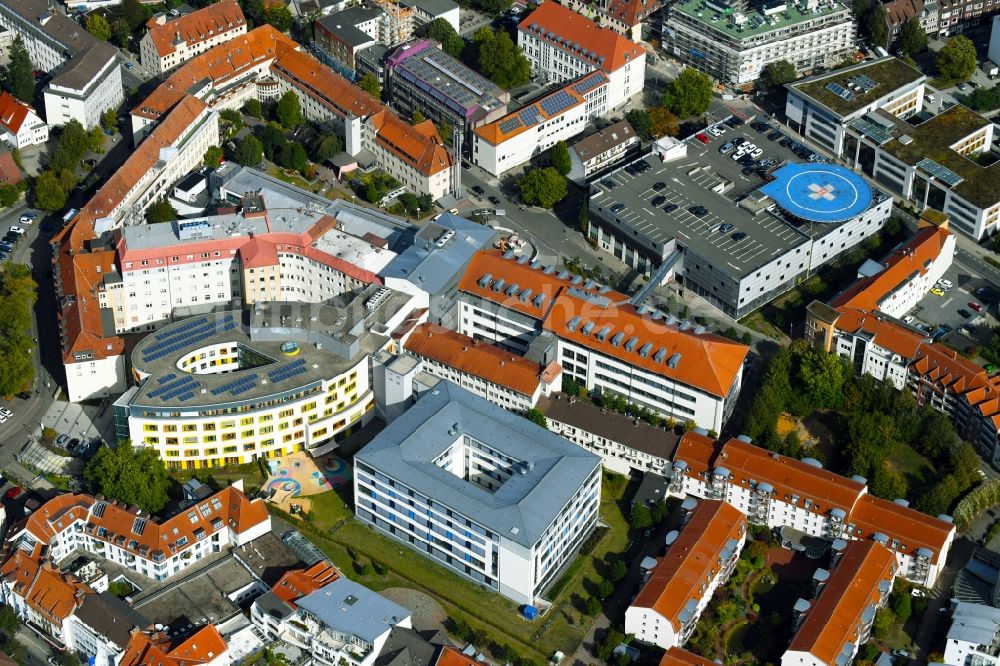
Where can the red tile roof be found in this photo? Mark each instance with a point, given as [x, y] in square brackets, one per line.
[834, 619]
[911, 529]
[476, 358]
[449, 656]
[692, 560]
[10, 173]
[157, 649]
[205, 23]
[884, 332]
[418, 146]
[904, 262]
[676, 656]
[298, 583]
[12, 112]
[631, 12]
[50, 593]
[697, 451]
[611, 50]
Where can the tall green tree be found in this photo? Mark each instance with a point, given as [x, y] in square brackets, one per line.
[822, 375]
[279, 17]
[17, 297]
[956, 61]
[640, 121]
[135, 13]
[120, 32]
[877, 26]
[293, 156]
[213, 156]
[129, 474]
[99, 27]
[288, 111]
[160, 211]
[689, 95]
[369, 83]
[49, 193]
[451, 42]
[109, 120]
[73, 143]
[542, 187]
[778, 73]
[253, 108]
[912, 38]
[19, 79]
[500, 59]
[559, 158]
[535, 416]
[663, 123]
[326, 147]
[417, 117]
[249, 152]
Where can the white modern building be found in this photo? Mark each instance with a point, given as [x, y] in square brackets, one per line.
[480, 490]
[733, 41]
[170, 41]
[781, 492]
[974, 635]
[20, 126]
[86, 75]
[666, 610]
[601, 341]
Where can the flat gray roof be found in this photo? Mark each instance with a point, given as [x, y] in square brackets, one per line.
[197, 598]
[523, 506]
[975, 624]
[687, 182]
[351, 608]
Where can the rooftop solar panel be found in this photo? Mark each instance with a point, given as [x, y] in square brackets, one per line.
[557, 103]
[840, 91]
[873, 131]
[940, 172]
[510, 125]
[529, 115]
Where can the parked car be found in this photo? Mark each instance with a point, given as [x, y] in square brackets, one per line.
[496, 200]
[908, 319]
[24, 395]
[658, 200]
[937, 291]
[726, 147]
[774, 136]
[964, 314]
[669, 208]
[659, 185]
[617, 208]
[726, 228]
[16, 230]
[738, 141]
[62, 441]
[27, 218]
[698, 211]
[738, 236]
[976, 306]
[701, 136]
[478, 191]
[947, 284]
[6, 412]
[757, 152]
[608, 183]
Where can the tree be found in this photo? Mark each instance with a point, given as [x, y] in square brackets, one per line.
[690, 94]
[9, 621]
[778, 73]
[593, 606]
[272, 138]
[68, 658]
[250, 151]
[327, 147]
[882, 623]
[95, 139]
[73, 144]
[445, 131]
[494, 7]
[369, 83]
[912, 38]
[49, 192]
[418, 117]
[289, 112]
[135, 13]
[956, 61]
[559, 158]
[20, 82]
[662, 123]
[232, 121]
[871, 436]
[213, 156]
[641, 122]
[535, 416]
[584, 218]
[500, 60]
[293, 156]
[279, 16]
[120, 32]
[130, 475]
[109, 120]
[253, 108]
[605, 589]
[876, 26]
[542, 187]
[17, 298]
[160, 211]
[640, 517]
[451, 42]
[822, 375]
[99, 27]
[618, 570]
[10, 195]
[902, 605]
[887, 483]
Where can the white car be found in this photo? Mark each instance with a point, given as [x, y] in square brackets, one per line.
[25, 219]
[908, 319]
[6, 412]
[3, 419]
[757, 152]
[17, 230]
[945, 283]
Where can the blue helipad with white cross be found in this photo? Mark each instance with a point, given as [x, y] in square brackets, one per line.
[824, 193]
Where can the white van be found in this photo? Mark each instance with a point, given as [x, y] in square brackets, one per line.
[931, 99]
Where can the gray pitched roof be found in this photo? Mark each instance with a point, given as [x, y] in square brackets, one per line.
[520, 509]
[350, 608]
[111, 617]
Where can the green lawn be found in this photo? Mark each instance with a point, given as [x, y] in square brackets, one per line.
[562, 628]
[915, 468]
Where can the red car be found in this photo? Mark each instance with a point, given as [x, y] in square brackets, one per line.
[701, 136]
[12, 493]
[976, 306]
[37, 74]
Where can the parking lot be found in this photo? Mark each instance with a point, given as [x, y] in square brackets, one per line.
[934, 311]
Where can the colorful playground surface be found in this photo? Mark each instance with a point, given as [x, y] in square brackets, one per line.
[300, 475]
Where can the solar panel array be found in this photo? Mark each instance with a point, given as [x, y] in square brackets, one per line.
[586, 84]
[557, 103]
[166, 378]
[940, 172]
[510, 124]
[288, 371]
[873, 131]
[840, 91]
[181, 385]
[190, 333]
[529, 115]
[866, 83]
[250, 379]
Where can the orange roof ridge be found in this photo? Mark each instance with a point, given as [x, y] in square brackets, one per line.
[12, 112]
[195, 27]
[474, 357]
[294, 585]
[676, 656]
[611, 50]
[157, 649]
[692, 560]
[908, 529]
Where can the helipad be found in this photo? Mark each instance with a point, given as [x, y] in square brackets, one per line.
[819, 192]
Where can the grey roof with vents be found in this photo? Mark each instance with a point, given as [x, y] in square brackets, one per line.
[351, 608]
[525, 505]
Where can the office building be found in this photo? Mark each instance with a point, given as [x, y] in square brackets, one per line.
[734, 40]
[781, 492]
[171, 41]
[737, 242]
[830, 628]
[480, 490]
[601, 150]
[701, 558]
[86, 75]
[338, 37]
[20, 126]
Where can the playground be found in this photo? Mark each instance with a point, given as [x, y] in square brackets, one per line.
[292, 479]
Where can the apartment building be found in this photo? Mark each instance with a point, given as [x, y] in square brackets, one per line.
[102, 628]
[777, 491]
[203, 647]
[830, 628]
[170, 41]
[625, 443]
[563, 46]
[898, 12]
[329, 616]
[86, 76]
[42, 597]
[512, 382]
[602, 149]
[602, 342]
[340, 36]
[974, 635]
[666, 610]
[955, 16]
[627, 17]
[20, 126]
[94, 362]
[733, 41]
[421, 76]
[415, 155]
[480, 490]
